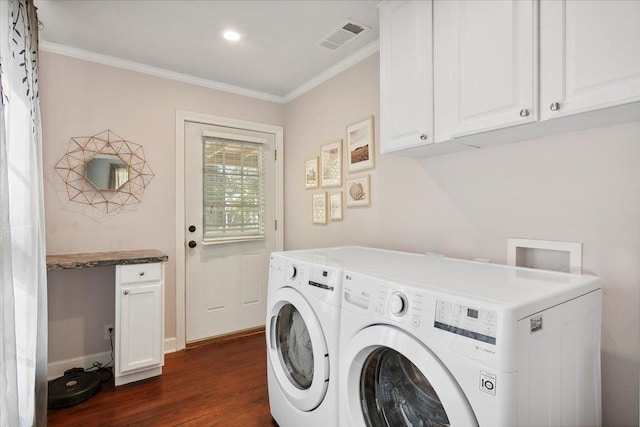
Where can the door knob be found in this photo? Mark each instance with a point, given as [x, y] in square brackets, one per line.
[192, 244]
[555, 106]
[192, 228]
[524, 112]
[126, 292]
[423, 137]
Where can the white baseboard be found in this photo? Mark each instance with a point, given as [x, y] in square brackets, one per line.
[56, 369]
[170, 345]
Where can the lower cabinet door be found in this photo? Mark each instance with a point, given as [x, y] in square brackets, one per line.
[140, 335]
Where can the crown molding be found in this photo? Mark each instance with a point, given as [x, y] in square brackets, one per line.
[154, 71]
[85, 55]
[333, 71]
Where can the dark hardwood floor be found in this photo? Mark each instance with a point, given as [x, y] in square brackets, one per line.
[222, 384]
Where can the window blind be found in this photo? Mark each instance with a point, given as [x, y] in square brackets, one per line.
[233, 190]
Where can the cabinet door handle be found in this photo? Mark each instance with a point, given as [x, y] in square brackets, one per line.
[141, 274]
[423, 137]
[555, 106]
[192, 244]
[126, 292]
[524, 112]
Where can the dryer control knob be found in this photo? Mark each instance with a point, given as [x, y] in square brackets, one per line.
[398, 304]
[291, 272]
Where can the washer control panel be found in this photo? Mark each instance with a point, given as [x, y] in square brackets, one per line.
[472, 322]
[382, 299]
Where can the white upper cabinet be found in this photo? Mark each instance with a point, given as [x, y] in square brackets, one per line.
[468, 70]
[406, 75]
[590, 55]
[485, 65]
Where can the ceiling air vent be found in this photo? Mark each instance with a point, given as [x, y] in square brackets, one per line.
[342, 35]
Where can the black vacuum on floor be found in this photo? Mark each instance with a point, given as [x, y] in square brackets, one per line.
[75, 386]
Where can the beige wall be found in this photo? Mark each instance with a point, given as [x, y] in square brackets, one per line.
[582, 186]
[80, 98]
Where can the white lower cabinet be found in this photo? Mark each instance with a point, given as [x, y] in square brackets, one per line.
[139, 327]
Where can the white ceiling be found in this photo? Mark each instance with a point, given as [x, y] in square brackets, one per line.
[277, 58]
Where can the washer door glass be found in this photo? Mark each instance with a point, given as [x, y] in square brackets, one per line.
[395, 393]
[295, 347]
[393, 379]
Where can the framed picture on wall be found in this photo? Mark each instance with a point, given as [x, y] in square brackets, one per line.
[319, 208]
[359, 191]
[331, 164]
[335, 205]
[311, 173]
[360, 145]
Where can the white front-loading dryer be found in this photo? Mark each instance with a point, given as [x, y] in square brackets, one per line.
[302, 333]
[454, 343]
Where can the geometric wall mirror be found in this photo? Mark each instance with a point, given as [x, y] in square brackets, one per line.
[104, 171]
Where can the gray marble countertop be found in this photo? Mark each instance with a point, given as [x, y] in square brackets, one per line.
[99, 259]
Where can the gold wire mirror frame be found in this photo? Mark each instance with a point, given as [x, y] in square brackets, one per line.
[72, 169]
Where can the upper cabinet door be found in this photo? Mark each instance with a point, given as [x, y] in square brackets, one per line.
[485, 57]
[406, 75]
[590, 55]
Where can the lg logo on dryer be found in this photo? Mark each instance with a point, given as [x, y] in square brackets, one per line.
[488, 383]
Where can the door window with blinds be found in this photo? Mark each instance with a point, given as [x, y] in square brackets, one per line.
[233, 188]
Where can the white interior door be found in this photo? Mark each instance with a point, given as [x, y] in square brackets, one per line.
[231, 228]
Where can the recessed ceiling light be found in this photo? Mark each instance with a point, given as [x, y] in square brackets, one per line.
[232, 36]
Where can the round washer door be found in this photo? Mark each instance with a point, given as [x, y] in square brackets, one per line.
[394, 380]
[297, 350]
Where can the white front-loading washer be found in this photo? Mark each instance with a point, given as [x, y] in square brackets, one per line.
[455, 343]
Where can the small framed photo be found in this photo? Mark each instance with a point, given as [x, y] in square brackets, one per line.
[335, 205]
[311, 173]
[359, 191]
[331, 164]
[360, 145]
[319, 208]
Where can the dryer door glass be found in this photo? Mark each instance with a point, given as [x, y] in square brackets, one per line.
[394, 392]
[294, 346]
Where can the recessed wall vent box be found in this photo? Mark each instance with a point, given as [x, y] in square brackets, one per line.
[342, 35]
[545, 254]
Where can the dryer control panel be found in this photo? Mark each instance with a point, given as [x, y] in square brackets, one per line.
[323, 278]
[472, 322]
[322, 282]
